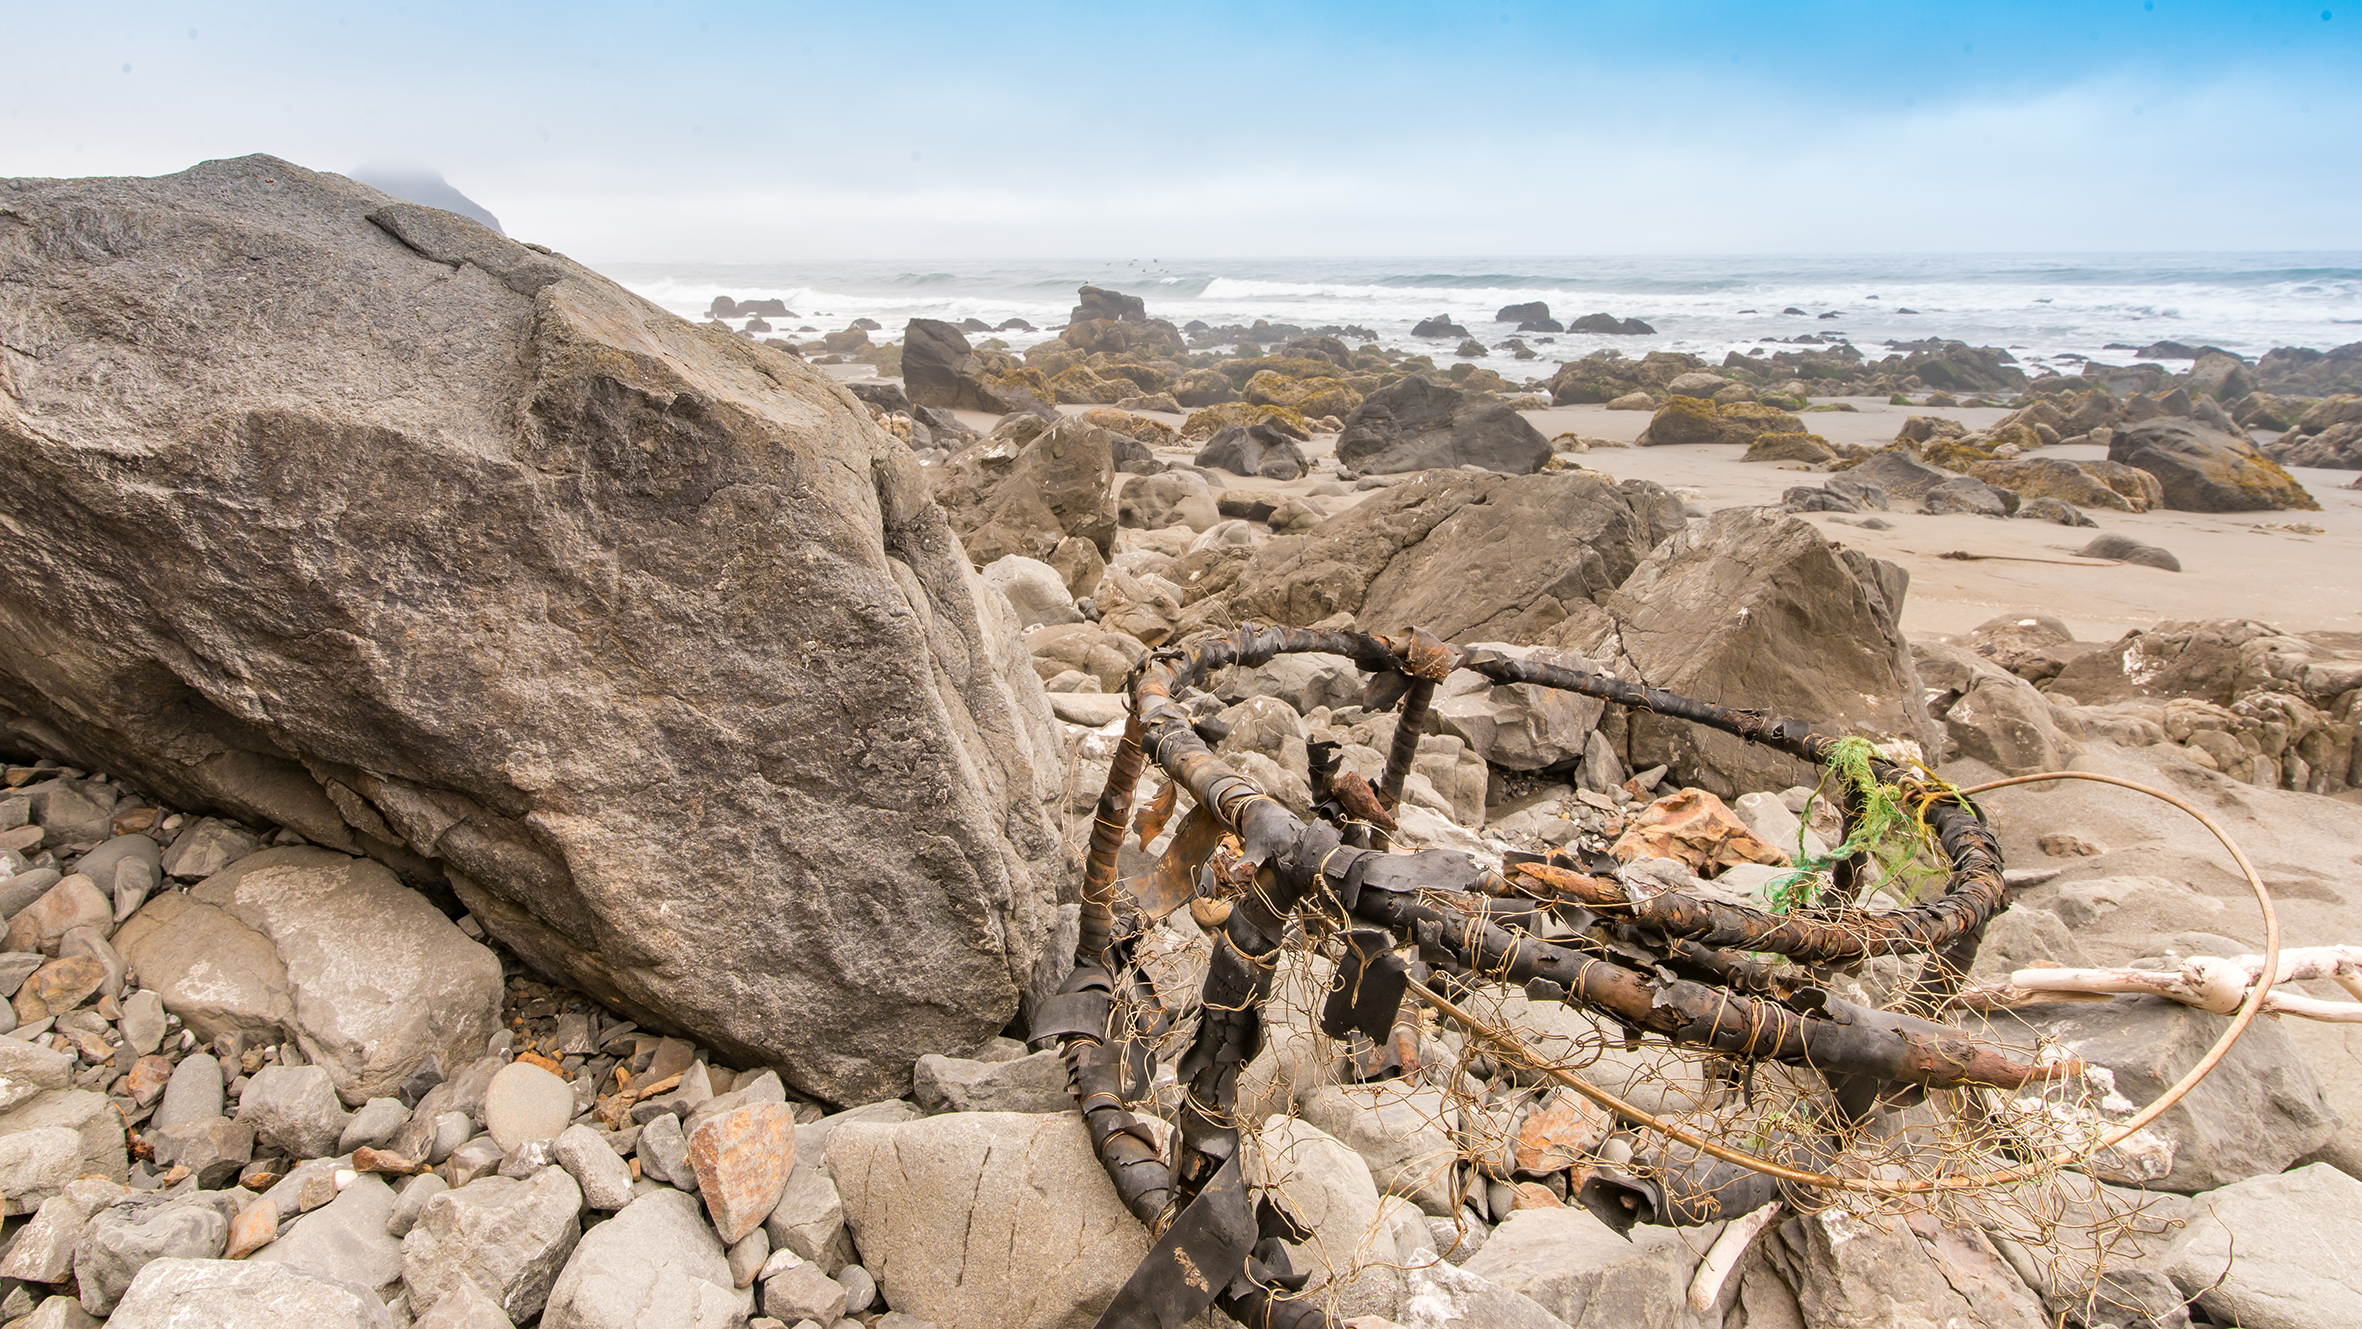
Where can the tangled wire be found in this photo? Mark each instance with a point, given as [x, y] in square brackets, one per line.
[1553, 1031]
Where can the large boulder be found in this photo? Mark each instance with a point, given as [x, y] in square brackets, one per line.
[2206, 470]
[1094, 302]
[1577, 1268]
[2258, 1111]
[1990, 714]
[1004, 497]
[974, 1220]
[1754, 609]
[175, 1293]
[656, 1262]
[939, 370]
[328, 950]
[2329, 435]
[2084, 484]
[1412, 424]
[1466, 556]
[2276, 1252]
[449, 551]
[1260, 449]
[1898, 473]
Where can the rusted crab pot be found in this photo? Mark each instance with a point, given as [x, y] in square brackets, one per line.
[1216, 1247]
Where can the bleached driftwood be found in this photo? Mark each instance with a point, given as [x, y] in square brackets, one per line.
[2207, 982]
[1723, 1256]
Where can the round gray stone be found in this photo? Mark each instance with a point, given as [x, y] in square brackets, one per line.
[526, 1103]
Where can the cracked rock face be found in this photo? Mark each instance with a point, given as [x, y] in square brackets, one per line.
[359, 518]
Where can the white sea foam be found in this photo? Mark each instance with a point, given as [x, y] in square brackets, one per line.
[2047, 308]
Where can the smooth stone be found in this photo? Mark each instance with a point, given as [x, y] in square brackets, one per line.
[525, 1103]
[240, 1294]
[606, 1180]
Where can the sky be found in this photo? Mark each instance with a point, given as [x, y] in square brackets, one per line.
[749, 132]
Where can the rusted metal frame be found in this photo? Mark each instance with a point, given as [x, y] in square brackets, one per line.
[1851, 1040]
[1109, 821]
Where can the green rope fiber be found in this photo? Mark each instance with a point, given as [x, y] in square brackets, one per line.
[1886, 817]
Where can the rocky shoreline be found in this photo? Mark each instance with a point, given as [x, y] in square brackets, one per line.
[600, 844]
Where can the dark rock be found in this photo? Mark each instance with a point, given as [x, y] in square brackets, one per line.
[1471, 349]
[1964, 494]
[1898, 473]
[1413, 424]
[1469, 556]
[2206, 470]
[1439, 326]
[2221, 376]
[1609, 323]
[939, 370]
[1531, 311]
[883, 394]
[1841, 494]
[2328, 434]
[1014, 325]
[2051, 509]
[1541, 325]
[2125, 549]
[2167, 350]
[1956, 366]
[974, 325]
[1259, 450]
[463, 566]
[1097, 303]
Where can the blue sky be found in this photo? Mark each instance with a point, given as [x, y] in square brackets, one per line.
[762, 131]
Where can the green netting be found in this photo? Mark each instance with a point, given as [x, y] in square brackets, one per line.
[1888, 826]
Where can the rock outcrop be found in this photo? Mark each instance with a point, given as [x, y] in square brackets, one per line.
[1469, 557]
[1008, 497]
[940, 371]
[1753, 608]
[2206, 470]
[447, 550]
[1413, 425]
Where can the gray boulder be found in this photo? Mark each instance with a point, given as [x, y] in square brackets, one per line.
[509, 1238]
[529, 606]
[1852, 1273]
[606, 1180]
[1963, 494]
[1990, 714]
[1412, 425]
[293, 1110]
[27, 1069]
[1519, 726]
[1035, 1083]
[1578, 1269]
[975, 1219]
[1898, 474]
[940, 371]
[2276, 1252]
[1469, 557]
[1035, 591]
[365, 975]
[123, 1238]
[1752, 608]
[654, 1262]
[1258, 450]
[344, 1240]
[2125, 549]
[2260, 1109]
[240, 1294]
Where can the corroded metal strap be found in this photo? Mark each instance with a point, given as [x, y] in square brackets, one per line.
[1108, 823]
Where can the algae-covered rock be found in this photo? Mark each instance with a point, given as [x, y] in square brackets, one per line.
[2206, 470]
[1790, 446]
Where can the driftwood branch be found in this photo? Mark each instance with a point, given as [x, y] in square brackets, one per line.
[2210, 983]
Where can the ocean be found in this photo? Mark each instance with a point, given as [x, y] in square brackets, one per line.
[2046, 308]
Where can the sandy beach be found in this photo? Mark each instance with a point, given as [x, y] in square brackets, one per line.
[2260, 565]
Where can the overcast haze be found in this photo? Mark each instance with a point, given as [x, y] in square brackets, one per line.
[744, 132]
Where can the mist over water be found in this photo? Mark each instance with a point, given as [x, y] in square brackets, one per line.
[2047, 308]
